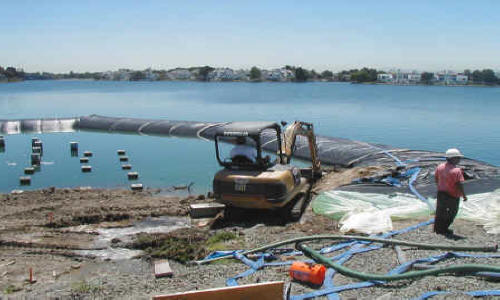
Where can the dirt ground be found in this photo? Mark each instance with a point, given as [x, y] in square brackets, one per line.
[80, 243]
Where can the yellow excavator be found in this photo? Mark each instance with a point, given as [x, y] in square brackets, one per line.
[265, 182]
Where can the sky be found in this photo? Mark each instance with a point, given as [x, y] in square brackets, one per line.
[79, 36]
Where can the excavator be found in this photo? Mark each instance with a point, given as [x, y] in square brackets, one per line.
[265, 182]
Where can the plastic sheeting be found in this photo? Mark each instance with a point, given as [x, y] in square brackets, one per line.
[371, 212]
[38, 125]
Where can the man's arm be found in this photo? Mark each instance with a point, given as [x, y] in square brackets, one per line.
[460, 187]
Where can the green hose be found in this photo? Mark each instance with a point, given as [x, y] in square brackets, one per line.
[466, 268]
[359, 238]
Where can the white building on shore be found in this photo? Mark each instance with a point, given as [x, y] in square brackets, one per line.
[179, 74]
[385, 77]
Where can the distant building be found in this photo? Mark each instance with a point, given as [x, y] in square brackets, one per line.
[281, 74]
[447, 77]
[385, 77]
[414, 77]
[221, 74]
[242, 75]
[462, 79]
[150, 75]
[179, 74]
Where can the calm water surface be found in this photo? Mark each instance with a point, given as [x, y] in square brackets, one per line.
[416, 117]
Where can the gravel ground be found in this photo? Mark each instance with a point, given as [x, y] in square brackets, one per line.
[86, 277]
[134, 279]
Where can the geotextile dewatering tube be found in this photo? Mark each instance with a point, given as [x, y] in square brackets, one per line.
[359, 238]
[465, 268]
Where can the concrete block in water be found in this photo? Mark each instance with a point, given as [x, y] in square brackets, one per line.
[73, 146]
[126, 167]
[136, 186]
[120, 152]
[86, 169]
[36, 150]
[38, 144]
[29, 170]
[25, 180]
[34, 140]
[123, 158]
[35, 159]
[84, 160]
[204, 210]
[133, 175]
[88, 153]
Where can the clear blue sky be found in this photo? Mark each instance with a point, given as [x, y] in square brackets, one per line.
[60, 36]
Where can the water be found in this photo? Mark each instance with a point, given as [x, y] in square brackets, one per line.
[163, 224]
[415, 117]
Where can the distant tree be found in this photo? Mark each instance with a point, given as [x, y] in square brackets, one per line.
[290, 68]
[255, 74]
[137, 75]
[301, 75]
[364, 75]
[489, 76]
[328, 75]
[427, 77]
[359, 76]
[99, 76]
[313, 75]
[477, 76]
[10, 72]
[203, 73]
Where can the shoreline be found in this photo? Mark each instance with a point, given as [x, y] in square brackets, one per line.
[266, 81]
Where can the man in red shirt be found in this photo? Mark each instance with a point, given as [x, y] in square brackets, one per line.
[449, 181]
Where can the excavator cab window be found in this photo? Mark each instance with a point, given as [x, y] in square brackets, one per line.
[238, 151]
[248, 145]
[270, 146]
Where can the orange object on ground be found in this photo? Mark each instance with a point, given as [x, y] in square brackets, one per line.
[307, 272]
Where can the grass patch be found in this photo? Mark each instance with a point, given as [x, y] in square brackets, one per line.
[85, 287]
[10, 289]
[216, 241]
[182, 245]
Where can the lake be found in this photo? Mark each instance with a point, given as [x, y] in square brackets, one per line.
[414, 117]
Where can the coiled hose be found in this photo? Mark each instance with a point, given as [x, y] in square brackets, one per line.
[359, 238]
[465, 268]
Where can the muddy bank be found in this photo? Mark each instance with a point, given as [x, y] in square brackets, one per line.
[75, 241]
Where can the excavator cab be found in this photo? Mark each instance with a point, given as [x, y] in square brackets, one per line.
[267, 180]
[251, 135]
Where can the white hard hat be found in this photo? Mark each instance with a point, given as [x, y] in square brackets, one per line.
[450, 153]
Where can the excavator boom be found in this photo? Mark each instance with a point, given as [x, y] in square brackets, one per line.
[299, 128]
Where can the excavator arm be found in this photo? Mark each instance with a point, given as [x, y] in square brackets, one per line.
[290, 136]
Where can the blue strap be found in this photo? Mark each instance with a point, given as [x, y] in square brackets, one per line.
[328, 284]
[216, 254]
[482, 293]
[337, 247]
[397, 160]
[254, 266]
[415, 192]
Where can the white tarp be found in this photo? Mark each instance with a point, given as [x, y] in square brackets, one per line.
[372, 213]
